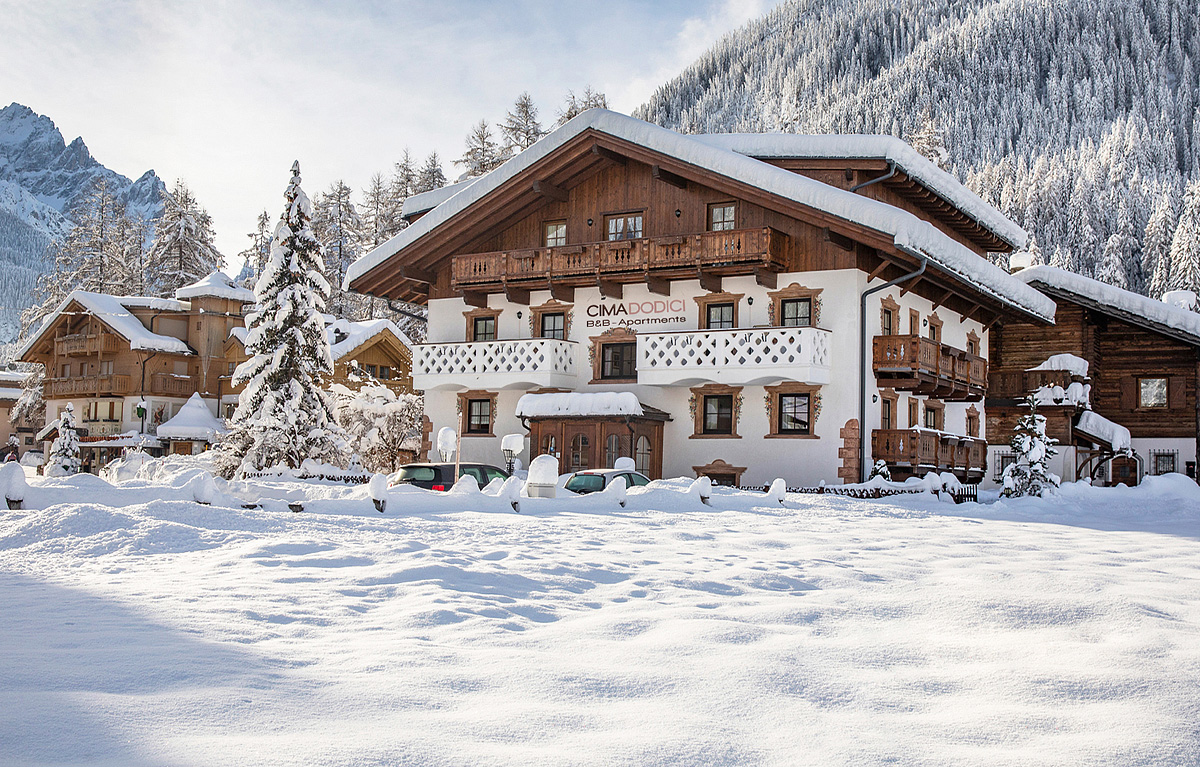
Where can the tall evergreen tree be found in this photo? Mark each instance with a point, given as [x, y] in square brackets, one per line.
[254, 258]
[521, 128]
[431, 176]
[283, 416]
[183, 250]
[404, 178]
[930, 141]
[1185, 244]
[576, 105]
[1156, 244]
[482, 154]
[336, 225]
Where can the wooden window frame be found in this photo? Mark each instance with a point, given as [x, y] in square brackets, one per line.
[773, 409]
[464, 399]
[914, 322]
[1139, 405]
[935, 326]
[703, 301]
[546, 233]
[719, 466]
[974, 339]
[893, 399]
[550, 307]
[795, 290]
[939, 415]
[619, 335]
[696, 406]
[888, 305]
[710, 223]
[972, 429]
[624, 214]
[914, 412]
[475, 314]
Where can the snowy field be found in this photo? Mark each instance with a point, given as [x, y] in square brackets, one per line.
[138, 627]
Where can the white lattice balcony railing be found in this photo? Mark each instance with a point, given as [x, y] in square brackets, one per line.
[530, 362]
[742, 357]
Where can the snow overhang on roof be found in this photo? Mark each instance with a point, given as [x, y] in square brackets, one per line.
[352, 335]
[578, 405]
[1125, 305]
[781, 146]
[909, 233]
[427, 201]
[114, 311]
[216, 285]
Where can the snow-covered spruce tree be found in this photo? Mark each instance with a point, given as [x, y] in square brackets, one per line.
[431, 176]
[521, 128]
[1156, 243]
[1185, 244]
[1030, 473]
[337, 226]
[283, 417]
[575, 105]
[255, 256]
[930, 141]
[31, 406]
[482, 154]
[64, 452]
[183, 250]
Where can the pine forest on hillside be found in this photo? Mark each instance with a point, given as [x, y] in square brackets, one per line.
[1077, 119]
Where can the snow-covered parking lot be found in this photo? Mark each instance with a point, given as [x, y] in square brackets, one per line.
[447, 631]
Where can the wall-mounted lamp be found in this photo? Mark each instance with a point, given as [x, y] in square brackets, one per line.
[518, 315]
[874, 397]
[925, 323]
[678, 213]
[750, 301]
[589, 222]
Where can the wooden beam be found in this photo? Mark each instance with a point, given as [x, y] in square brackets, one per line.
[564, 293]
[471, 298]
[546, 189]
[659, 285]
[766, 278]
[841, 240]
[609, 154]
[666, 176]
[417, 275]
[883, 264]
[908, 286]
[516, 295]
[709, 281]
[610, 289]
[971, 312]
[942, 300]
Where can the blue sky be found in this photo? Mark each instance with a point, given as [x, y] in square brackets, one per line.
[226, 93]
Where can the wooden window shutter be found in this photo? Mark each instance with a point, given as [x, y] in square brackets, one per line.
[1176, 393]
[1128, 393]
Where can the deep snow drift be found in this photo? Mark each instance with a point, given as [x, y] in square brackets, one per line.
[140, 627]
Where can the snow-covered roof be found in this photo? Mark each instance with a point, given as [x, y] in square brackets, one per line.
[427, 201]
[578, 404]
[1064, 362]
[114, 311]
[11, 384]
[908, 232]
[7, 393]
[345, 335]
[1095, 426]
[216, 285]
[1123, 304]
[889, 148]
[194, 421]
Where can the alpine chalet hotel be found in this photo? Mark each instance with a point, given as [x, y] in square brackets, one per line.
[752, 299]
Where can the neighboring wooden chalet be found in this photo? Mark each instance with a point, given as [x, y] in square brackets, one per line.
[724, 280]
[1116, 367]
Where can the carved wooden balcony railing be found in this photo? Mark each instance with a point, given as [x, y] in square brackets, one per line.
[916, 451]
[729, 250]
[95, 386]
[171, 385]
[924, 366]
[85, 343]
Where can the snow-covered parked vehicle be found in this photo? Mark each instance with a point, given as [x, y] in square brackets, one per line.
[440, 476]
[595, 480]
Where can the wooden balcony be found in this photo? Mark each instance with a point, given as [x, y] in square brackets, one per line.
[738, 251]
[171, 385]
[85, 343]
[913, 452]
[97, 386]
[923, 366]
[1016, 384]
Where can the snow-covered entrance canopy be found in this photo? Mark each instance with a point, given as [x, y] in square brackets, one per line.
[216, 285]
[194, 422]
[578, 405]
[909, 233]
[1123, 304]
[1102, 431]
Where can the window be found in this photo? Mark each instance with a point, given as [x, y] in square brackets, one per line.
[550, 445]
[230, 409]
[483, 329]
[232, 367]
[972, 425]
[371, 370]
[579, 452]
[796, 313]
[65, 370]
[618, 361]
[479, 416]
[1163, 461]
[627, 226]
[556, 233]
[914, 322]
[1152, 392]
[885, 414]
[914, 409]
[721, 216]
[612, 450]
[554, 325]
[385, 373]
[719, 317]
[718, 414]
[1003, 461]
[642, 455]
[972, 346]
[933, 417]
[106, 367]
[889, 320]
[793, 414]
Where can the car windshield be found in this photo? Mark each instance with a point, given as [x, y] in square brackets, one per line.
[585, 483]
[416, 474]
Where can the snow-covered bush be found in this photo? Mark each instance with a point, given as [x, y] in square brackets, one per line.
[383, 427]
[283, 416]
[880, 469]
[1029, 474]
[64, 453]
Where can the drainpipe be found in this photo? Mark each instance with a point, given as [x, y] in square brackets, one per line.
[862, 357]
[142, 389]
[891, 172]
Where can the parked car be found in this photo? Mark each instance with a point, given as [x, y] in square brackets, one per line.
[440, 476]
[595, 480]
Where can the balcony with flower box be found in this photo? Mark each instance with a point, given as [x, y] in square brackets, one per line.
[743, 357]
[913, 452]
[517, 364]
[924, 366]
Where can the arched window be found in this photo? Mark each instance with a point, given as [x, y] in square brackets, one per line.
[549, 445]
[612, 450]
[579, 452]
[642, 455]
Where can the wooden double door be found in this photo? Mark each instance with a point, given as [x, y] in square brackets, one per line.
[597, 442]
